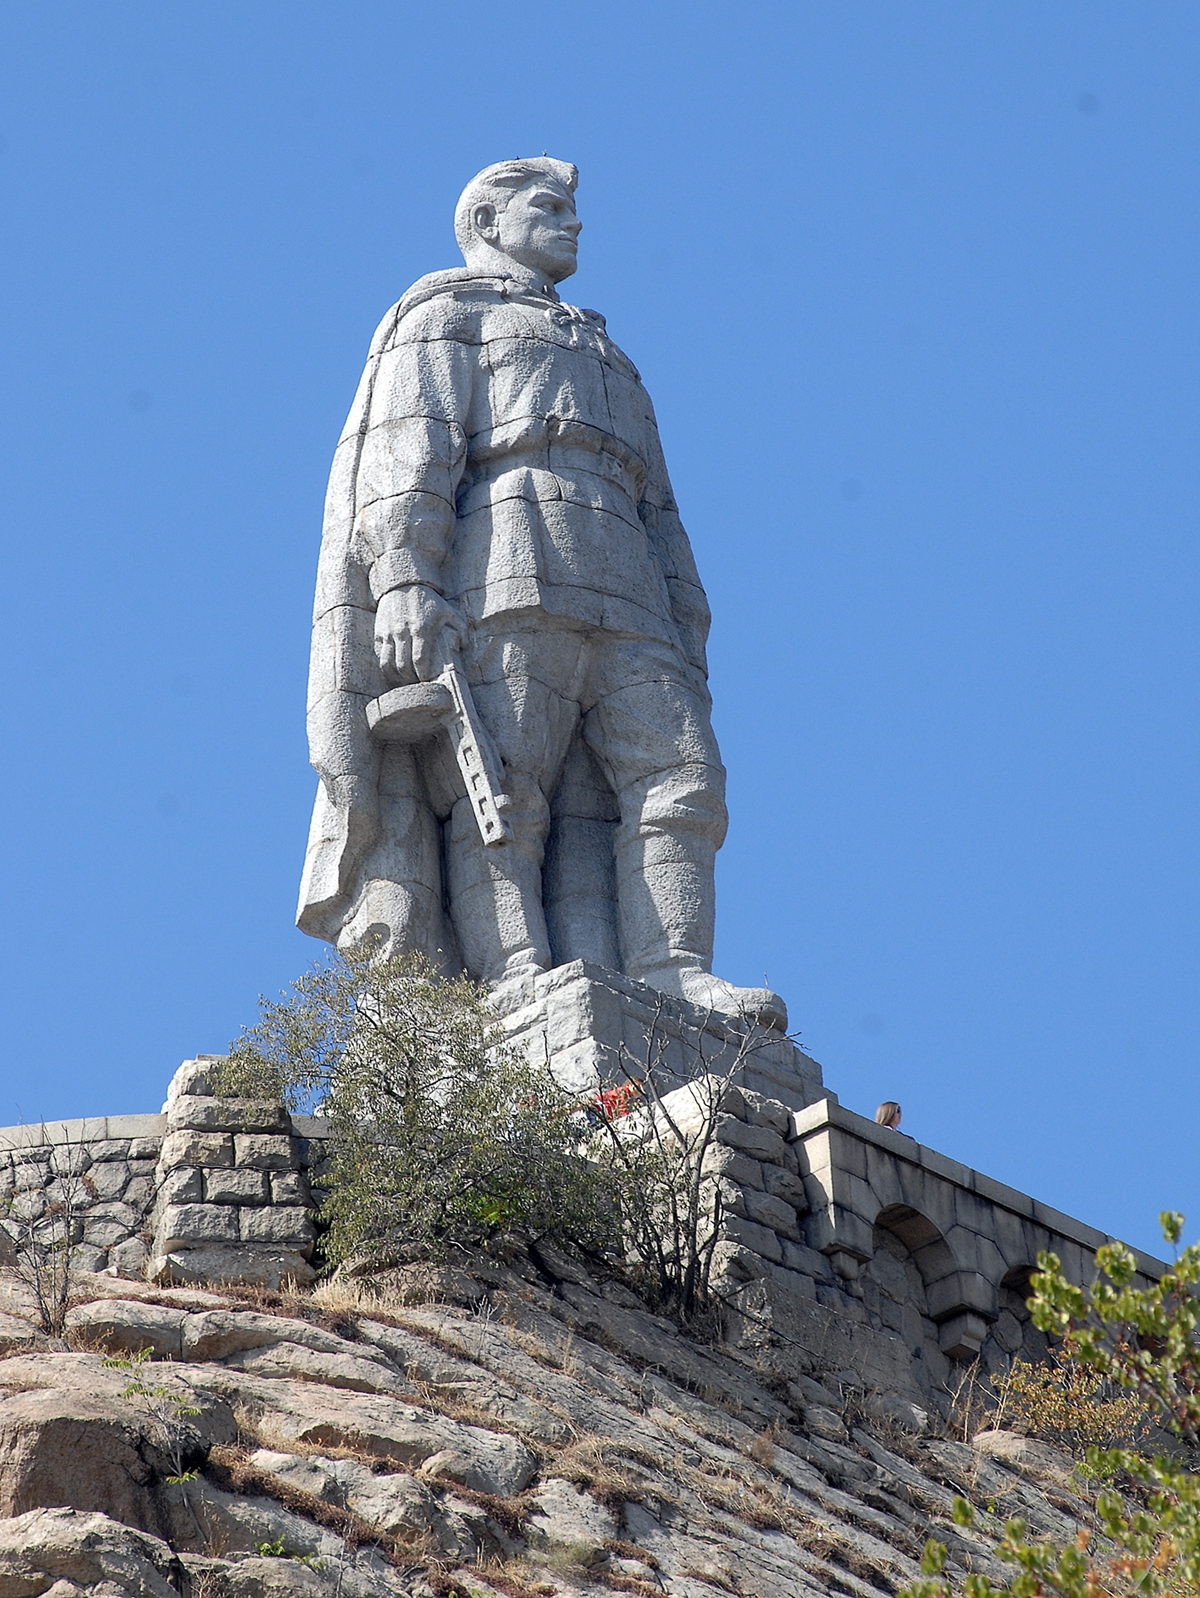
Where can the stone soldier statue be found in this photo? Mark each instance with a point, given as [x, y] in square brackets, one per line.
[499, 518]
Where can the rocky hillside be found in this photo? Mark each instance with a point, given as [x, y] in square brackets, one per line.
[520, 1431]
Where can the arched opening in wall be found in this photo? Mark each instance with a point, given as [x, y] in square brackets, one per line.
[909, 1253]
[1014, 1336]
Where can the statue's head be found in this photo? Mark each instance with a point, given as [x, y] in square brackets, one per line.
[524, 212]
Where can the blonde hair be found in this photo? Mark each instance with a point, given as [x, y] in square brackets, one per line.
[888, 1113]
[497, 184]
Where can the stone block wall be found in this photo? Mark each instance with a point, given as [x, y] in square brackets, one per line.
[210, 1190]
[99, 1170]
[842, 1245]
[849, 1246]
[232, 1200]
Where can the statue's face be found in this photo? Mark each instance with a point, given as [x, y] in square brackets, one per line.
[538, 229]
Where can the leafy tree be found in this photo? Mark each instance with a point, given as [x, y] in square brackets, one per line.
[1141, 1340]
[167, 1407]
[443, 1137]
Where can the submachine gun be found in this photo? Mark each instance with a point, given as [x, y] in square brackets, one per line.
[406, 715]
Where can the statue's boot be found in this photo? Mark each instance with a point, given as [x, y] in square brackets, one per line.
[726, 998]
[667, 911]
[698, 985]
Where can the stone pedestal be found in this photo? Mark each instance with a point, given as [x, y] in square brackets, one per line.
[595, 1027]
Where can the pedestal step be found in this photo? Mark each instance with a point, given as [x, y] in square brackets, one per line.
[596, 1027]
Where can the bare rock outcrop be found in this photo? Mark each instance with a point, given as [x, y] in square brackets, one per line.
[534, 1425]
[69, 1551]
[71, 1436]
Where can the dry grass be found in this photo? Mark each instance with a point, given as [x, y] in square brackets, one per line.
[530, 1343]
[15, 1350]
[723, 1580]
[462, 1409]
[755, 1503]
[253, 1434]
[833, 1550]
[572, 1558]
[723, 1496]
[231, 1471]
[506, 1577]
[631, 1551]
[599, 1468]
[442, 1400]
[333, 1306]
[973, 1404]
[762, 1449]
[206, 1584]
[296, 1305]
[510, 1514]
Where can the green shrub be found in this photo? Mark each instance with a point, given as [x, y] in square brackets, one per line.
[1142, 1342]
[443, 1137]
[1070, 1405]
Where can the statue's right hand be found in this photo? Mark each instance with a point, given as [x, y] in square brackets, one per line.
[408, 624]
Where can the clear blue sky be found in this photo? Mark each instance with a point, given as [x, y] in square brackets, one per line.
[914, 287]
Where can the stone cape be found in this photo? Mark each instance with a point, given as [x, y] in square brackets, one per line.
[615, 560]
[343, 678]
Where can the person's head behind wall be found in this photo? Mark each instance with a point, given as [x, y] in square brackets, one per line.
[520, 213]
[888, 1114]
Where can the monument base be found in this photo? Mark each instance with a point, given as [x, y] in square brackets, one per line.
[595, 1027]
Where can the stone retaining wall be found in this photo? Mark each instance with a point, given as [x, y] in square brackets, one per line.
[838, 1238]
[100, 1169]
[172, 1196]
[857, 1244]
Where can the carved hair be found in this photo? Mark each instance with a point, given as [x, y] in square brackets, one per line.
[496, 185]
[888, 1113]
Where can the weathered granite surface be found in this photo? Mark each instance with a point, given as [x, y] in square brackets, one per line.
[508, 706]
[509, 1430]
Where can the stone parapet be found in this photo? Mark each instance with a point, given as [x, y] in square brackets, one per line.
[594, 1027]
[89, 1129]
[829, 1125]
[968, 1234]
[94, 1176]
[836, 1232]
